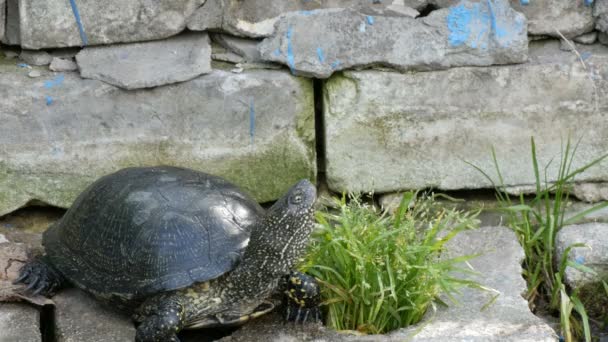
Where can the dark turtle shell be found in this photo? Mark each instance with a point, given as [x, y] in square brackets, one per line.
[141, 231]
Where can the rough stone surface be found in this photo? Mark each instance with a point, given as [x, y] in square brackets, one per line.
[600, 12]
[603, 38]
[36, 57]
[37, 24]
[507, 319]
[591, 192]
[63, 64]
[19, 322]
[247, 48]
[256, 18]
[149, 64]
[78, 317]
[388, 131]
[499, 268]
[571, 18]
[587, 38]
[2, 18]
[60, 132]
[594, 235]
[321, 42]
[11, 28]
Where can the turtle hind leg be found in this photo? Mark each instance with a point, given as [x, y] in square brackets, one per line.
[303, 297]
[161, 318]
[40, 277]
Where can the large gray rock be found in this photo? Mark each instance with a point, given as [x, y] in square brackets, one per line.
[388, 131]
[36, 24]
[149, 64]
[60, 132]
[321, 42]
[78, 317]
[256, 18]
[591, 192]
[19, 323]
[507, 319]
[571, 18]
[595, 256]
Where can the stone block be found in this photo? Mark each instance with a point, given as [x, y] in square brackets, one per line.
[546, 17]
[19, 323]
[37, 24]
[60, 132]
[318, 43]
[387, 131]
[256, 18]
[148, 64]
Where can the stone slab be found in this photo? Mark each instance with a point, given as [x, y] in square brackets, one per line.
[571, 18]
[19, 323]
[33, 57]
[591, 192]
[60, 132]
[148, 64]
[51, 24]
[387, 131]
[78, 317]
[318, 43]
[507, 319]
[256, 18]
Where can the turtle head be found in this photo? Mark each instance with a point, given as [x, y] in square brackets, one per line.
[281, 237]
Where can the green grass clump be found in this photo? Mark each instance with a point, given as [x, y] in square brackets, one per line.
[536, 221]
[381, 271]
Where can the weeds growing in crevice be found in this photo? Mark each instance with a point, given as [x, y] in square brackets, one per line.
[536, 222]
[380, 271]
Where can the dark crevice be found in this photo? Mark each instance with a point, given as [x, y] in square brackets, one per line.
[47, 323]
[319, 130]
[426, 10]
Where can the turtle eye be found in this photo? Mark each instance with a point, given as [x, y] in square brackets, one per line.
[297, 198]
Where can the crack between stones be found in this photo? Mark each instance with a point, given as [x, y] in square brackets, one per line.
[47, 323]
[319, 131]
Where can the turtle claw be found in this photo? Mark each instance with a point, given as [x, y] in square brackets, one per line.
[39, 278]
[303, 315]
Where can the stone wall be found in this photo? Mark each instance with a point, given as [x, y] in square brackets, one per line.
[409, 91]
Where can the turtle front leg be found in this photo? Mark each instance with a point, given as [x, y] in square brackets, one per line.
[160, 318]
[303, 297]
[40, 277]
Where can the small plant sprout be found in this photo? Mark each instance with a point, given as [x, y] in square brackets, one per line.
[380, 271]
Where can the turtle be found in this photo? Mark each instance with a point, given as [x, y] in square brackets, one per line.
[179, 249]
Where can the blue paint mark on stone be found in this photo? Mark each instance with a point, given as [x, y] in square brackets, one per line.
[370, 20]
[277, 52]
[478, 24]
[335, 64]
[588, 2]
[362, 27]
[580, 260]
[306, 13]
[49, 100]
[585, 55]
[290, 57]
[83, 35]
[251, 121]
[22, 65]
[524, 2]
[459, 20]
[57, 81]
[320, 55]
